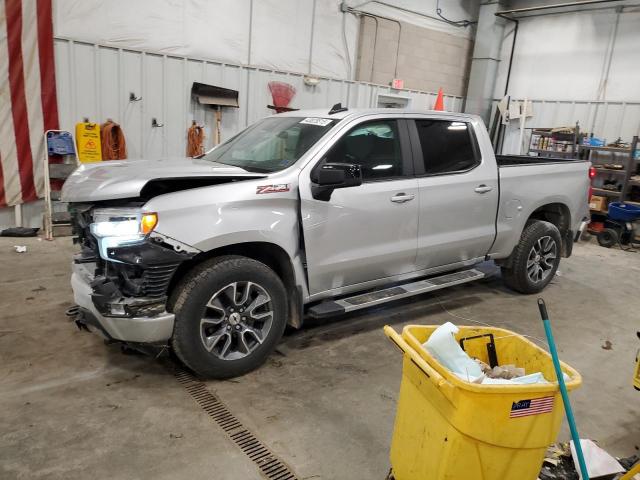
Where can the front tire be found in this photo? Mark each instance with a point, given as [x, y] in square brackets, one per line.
[230, 314]
[535, 259]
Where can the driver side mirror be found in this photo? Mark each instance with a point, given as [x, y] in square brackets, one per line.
[335, 175]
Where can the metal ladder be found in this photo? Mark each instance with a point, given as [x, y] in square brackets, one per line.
[56, 219]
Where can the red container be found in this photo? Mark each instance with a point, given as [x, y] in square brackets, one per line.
[596, 227]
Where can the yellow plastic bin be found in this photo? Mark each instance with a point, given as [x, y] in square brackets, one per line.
[636, 375]
[449, 429]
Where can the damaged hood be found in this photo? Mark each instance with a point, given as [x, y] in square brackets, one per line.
[110, 180]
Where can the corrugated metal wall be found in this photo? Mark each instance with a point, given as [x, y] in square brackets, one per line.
[608, 120]
[95, 82]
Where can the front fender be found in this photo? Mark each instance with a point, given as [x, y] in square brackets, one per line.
[215, 216]
[208, 218]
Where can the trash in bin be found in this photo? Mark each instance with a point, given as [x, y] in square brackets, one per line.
[506, 372]
[446, 350]
[448, 428]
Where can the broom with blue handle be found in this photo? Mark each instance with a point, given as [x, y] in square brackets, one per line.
[563, 389]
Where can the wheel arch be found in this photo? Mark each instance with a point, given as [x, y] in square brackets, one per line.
[272, 255]
[558, 214]
[516, 272]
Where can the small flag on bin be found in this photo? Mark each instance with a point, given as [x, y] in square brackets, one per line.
[524, 408]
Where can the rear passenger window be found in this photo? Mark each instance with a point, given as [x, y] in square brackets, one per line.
[446, 146]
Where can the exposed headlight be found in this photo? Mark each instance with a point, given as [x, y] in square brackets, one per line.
[114, 227]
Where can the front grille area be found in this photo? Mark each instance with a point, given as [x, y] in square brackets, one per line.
[141, 270]
[155, 279]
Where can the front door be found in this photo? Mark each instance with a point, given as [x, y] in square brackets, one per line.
[458, 193]
[368, 232]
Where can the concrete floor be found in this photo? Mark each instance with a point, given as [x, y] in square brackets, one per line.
[73, 408]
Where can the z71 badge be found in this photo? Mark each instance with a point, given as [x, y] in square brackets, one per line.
[283, 187]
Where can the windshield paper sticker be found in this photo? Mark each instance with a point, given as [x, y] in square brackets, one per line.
[319, 122]
[283, 187]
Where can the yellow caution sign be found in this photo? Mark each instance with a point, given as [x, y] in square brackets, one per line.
[88, 139]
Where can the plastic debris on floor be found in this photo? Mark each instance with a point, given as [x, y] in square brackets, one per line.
[559, 464]
[443, 347]
[599, 463]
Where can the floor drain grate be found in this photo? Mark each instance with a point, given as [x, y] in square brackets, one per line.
[269, 464]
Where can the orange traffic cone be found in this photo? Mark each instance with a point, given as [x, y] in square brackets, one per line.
[439, 105]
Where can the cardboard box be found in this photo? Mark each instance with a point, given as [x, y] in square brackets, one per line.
[598, 203]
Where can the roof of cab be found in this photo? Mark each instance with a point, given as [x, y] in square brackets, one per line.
[359, 112]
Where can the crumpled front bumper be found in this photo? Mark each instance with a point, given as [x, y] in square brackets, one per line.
[139, 329]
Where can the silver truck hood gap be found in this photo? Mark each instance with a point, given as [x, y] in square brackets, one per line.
[109, 180]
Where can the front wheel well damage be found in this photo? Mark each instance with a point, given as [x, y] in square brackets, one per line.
[272, 255]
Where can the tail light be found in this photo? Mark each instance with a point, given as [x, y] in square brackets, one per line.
[592, 175]
[592, 172]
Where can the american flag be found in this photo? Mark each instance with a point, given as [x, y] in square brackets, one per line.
[28, 104]
[536, 406]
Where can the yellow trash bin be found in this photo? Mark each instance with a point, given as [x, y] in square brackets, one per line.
[449, 429]
[636, 375]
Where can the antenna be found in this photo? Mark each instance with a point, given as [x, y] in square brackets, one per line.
[337, 108]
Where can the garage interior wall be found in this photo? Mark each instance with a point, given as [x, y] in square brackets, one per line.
[95, 82]
[308, 36]
[423, 58]
[581, 66]
[275, 34]
[156, 48]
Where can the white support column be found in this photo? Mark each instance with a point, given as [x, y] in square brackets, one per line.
[18, 214]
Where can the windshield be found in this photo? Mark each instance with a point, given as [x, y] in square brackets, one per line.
[271, 144]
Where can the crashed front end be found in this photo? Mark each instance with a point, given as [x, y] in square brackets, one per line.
[121, 276]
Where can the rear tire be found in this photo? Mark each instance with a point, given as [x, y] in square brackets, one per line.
[535, 259]
[230, 314]
[608, 238]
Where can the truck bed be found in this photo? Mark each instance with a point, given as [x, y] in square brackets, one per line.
[512, 160]
[527, 183]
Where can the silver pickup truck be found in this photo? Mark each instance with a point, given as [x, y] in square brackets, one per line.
[315, 213]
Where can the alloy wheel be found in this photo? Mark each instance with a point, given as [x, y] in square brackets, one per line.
[236, 320]
[541, 259]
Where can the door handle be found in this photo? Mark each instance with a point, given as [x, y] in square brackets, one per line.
[483, 188]
[402, 197]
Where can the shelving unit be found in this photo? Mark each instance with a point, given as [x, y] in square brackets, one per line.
[623, 177]
[606, 193]
[554, 139]
[621, 156]
[552, 153]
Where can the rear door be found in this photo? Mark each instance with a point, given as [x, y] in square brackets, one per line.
[458, 192]
[368, 232]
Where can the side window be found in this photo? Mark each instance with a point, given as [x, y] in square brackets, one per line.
[446, 146]
[375, 146]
